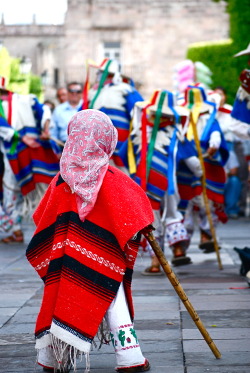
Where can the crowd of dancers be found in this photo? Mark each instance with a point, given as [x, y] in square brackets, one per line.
[174, 145]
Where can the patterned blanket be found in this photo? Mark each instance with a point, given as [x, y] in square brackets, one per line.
[32, 166]
[83, 263]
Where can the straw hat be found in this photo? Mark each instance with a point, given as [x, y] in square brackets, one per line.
[244, 52]
[113, 66]
[169, 104]
[198, 94]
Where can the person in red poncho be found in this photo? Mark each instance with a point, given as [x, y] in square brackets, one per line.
[84, 249]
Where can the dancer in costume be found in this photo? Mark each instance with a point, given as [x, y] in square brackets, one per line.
[241, 128]
[29, 158]
[214, 148]
[115, 95]
[84, 249]
[155, 145]
[233, 183]
[241, 108]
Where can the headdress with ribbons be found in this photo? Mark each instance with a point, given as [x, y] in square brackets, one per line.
[106, 68]
[6, 121]
[197, 102]
[162, 104]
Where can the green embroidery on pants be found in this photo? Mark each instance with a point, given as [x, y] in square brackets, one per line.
[132, 331]
[121, 337]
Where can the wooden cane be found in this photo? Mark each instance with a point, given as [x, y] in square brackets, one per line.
[204, 191]
[58, 142]
[147, 232]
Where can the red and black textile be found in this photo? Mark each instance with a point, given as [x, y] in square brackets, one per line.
[190, 186]
[32, 166]
[83, 263]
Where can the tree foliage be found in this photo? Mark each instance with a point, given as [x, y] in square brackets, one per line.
[218, 56]
[15, 80]
[5, 62]
[36, 87]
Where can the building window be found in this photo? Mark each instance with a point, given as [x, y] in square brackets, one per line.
[56, 77]
[112, 50]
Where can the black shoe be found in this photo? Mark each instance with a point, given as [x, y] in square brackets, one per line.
[207, 247]
[181, 260]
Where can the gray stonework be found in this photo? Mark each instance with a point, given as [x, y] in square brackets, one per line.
[154, 36]
[168, 336]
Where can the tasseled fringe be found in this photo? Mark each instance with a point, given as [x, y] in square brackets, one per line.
[66, 355]
[32, 199]
[103, 334]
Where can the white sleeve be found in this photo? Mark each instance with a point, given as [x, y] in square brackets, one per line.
[240, 129]
[46, 115]
[6, 133]
[215, 140]
[193, 163]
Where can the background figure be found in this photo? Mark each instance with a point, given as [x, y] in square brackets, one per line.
[29, 160]
[155, 144]
[50, 104]
[114, 95]
[215, 155]
[64, 112]
[62, 95]
[233, 187]
[240, 126]
[243, 175]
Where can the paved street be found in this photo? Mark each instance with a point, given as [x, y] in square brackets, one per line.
[168, 336]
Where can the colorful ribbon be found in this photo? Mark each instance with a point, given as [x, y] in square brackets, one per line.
[101, 84]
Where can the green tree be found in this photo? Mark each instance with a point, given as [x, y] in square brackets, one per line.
[36, 87]
[218, 56]
[19, 83]
[5, 61]
[15, 80]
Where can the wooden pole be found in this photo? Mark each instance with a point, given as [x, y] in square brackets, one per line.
[204, 192]
[58, 142]
[179, 290]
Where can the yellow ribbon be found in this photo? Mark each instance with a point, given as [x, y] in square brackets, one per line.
[195, 112]
[131, 156]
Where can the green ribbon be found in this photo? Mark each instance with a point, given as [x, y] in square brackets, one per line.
[2, 114]
[15, 140]
[154, 132]
[191, 99]
[15, 137]
[101, 84]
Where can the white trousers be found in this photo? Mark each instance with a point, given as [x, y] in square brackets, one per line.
[127, 349]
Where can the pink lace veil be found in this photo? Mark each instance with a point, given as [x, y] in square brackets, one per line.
[91, 142]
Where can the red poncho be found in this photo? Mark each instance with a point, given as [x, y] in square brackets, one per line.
[83, 263]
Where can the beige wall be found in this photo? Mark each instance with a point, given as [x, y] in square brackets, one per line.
[154, 36]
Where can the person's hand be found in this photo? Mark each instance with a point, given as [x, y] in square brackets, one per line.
[211, 151]
[30, 141]
[45, 135]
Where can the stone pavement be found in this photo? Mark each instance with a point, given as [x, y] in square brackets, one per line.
[168, 336]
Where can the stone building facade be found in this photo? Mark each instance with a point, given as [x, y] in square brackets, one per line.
[148, 37]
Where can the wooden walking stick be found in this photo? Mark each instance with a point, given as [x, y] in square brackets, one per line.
[204, 189]
[58, 142]
[147, 232]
